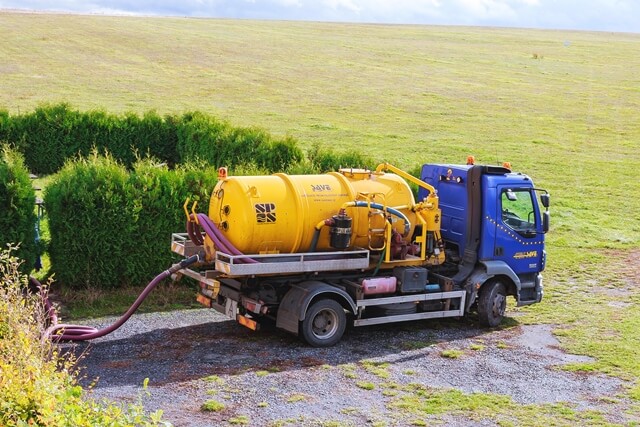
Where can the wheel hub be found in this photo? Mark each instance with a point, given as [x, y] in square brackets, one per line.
[325, 324]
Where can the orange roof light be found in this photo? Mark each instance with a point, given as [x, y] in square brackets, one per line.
[506, 165]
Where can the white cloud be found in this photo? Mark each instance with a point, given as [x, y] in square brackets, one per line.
[608, 15]
[342, 4]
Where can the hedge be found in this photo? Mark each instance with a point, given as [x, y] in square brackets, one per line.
[111, 227]
[17, 204]
[51, 134]
[324, 160]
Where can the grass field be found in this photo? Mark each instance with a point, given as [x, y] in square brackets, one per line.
[560, 106]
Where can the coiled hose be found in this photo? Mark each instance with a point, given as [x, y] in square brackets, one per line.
[65, 332]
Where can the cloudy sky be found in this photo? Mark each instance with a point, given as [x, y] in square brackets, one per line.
[600, 15]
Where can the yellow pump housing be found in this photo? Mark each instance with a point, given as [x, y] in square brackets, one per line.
[280, 213]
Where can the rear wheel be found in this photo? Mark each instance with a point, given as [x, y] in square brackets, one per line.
[492, 303]
[324, 323]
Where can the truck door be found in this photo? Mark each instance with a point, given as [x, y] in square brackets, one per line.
[519, 240]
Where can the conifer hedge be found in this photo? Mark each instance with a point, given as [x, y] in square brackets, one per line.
[51, 134]
[17, 204]
[111, 227]
[323, 160]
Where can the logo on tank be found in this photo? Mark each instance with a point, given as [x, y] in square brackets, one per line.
[265, 213]
[320, 187]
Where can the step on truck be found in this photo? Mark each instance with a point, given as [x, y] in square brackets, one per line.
[313, 253]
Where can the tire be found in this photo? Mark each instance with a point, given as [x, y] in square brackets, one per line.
[324, 323]
[492, 303]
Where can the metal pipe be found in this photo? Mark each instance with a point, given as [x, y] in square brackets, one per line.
[393, 211]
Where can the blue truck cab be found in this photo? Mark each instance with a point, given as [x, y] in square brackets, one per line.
[493, 226]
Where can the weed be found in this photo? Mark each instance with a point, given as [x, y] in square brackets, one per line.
[239, 420]
[380, 369]
[451, 353]
[36, 386]
[297, 397]
[477, 347]
[365, 385]
[212, 406]
[214, 379]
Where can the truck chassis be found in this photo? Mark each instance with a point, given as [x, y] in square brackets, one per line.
[311, 300]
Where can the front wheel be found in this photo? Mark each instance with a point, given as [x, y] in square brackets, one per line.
[324, 323]
[492, 303]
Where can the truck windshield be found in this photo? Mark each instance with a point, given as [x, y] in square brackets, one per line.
[518, 212]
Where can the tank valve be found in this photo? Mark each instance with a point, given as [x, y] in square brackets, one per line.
[340, 230]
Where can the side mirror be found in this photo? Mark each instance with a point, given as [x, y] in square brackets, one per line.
[545, 199]
[511, 196]
[546, 217]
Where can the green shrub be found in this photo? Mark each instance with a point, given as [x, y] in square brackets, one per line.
[158, 196]
[48, 136]
[327, 160]
[203, 138]
[111, 227]
[90, 207]
[51, 134]
[132, 136]
[199, 136]
[5, 122]
[36, 386]
[17, 201]
[281, 155]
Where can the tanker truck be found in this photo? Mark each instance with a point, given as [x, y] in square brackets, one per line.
[315, 253]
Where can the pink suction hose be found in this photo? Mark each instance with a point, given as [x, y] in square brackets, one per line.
[65, 332]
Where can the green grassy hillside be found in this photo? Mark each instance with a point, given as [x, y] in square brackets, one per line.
[561, 106]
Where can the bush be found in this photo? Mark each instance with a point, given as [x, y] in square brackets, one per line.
[91, 210]
[326, 160]
[111, 227]
[36, 386]
[202, 138]
[159, 195]
[5, 122]
[199, 136]
[48, 136]
[17, 198]
[51, 134]
[54, 133]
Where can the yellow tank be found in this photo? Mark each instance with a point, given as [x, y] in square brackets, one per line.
[279, 213]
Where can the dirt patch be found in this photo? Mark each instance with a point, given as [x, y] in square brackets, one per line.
[272, 378]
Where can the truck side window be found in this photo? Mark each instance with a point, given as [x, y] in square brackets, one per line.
[518, 212]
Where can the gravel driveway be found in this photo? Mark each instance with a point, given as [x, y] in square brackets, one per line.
[271, 378]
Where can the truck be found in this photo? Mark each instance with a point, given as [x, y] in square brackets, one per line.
[313, 254]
